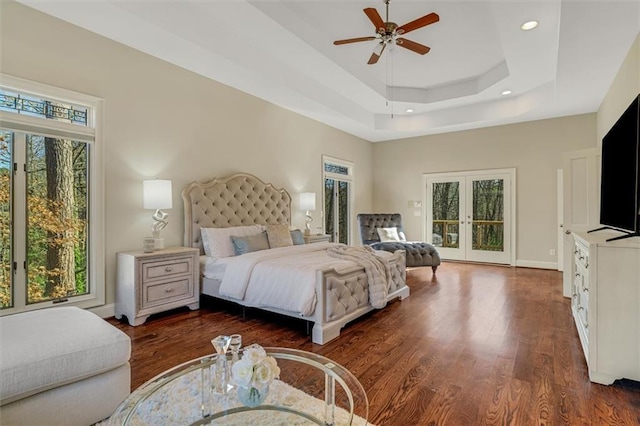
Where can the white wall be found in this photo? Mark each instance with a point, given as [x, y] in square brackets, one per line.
[534, 149]
[163, 121]
[625, 87]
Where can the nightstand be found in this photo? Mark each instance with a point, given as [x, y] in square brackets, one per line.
[316, 238]
[148, 283]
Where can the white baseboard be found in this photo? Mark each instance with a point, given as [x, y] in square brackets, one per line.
[104, 311]
[536, 264]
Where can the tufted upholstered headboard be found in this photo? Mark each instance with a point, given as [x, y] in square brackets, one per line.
[237, 200]
[369, 222]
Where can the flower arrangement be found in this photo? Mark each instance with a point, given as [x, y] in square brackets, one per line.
[254, 371]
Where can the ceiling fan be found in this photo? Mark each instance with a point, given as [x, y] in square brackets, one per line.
[388, 32]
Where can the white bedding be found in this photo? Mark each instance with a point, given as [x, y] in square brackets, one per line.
[214, 268]
[282, 278]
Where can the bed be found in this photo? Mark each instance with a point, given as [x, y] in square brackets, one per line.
[337, 290]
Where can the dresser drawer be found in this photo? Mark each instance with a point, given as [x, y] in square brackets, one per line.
[581, 255]
[167, 268]
[161, 292]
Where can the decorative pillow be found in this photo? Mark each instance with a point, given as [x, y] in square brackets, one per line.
[402, 236]
[279, 236]
[216, 241]
[388, 234]
[297, 237]
[242, 245]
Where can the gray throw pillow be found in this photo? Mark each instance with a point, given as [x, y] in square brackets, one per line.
[297, 237]
[242, 245]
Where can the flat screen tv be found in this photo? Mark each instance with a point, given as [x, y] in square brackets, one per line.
[620, 174]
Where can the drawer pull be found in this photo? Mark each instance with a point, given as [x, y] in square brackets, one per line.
[168, 269]
[585, 289]
[168, 290]
[580, 308]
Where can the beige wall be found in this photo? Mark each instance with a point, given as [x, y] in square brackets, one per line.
[623, 90]
[534, 149]
[163, 121]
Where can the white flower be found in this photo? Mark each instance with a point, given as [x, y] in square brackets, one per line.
[242, 372]
[255, 369]
[255, 353]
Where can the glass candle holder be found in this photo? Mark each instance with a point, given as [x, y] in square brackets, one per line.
[221, 376]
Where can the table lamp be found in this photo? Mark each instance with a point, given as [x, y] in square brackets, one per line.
[157, 195]
[307, 202]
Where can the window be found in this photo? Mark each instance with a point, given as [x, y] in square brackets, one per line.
[338, 182]
[50, 198]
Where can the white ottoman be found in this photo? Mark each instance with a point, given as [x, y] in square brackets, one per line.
[61, 366]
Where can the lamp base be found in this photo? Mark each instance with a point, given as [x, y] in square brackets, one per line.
[158, 244]
[307, 232]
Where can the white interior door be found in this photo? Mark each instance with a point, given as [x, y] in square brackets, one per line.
[581, 183]
[469, 216]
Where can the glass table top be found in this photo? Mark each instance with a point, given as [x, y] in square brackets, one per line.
[311, 390]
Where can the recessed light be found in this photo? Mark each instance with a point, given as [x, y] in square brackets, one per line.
[409, 110]
[529, 25]
[506, 92]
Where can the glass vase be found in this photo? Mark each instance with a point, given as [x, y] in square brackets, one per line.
[251, 396]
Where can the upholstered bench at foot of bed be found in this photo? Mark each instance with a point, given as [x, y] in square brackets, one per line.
[418, 253]
[61, 366]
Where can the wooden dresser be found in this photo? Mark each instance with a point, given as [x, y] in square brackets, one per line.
[605, 302]
[148, 283]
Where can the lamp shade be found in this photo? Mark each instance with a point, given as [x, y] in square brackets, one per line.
[307, 201]
[157, 194]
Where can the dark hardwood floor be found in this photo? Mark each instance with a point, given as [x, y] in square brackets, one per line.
[472, 345]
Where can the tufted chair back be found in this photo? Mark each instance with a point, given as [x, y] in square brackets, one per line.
[369, 222]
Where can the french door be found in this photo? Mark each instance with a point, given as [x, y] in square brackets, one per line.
[338, 181]
[469, 215]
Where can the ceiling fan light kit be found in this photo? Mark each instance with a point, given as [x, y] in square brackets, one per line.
[388, 32]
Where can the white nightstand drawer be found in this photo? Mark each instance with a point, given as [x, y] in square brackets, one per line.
[165, 269]
[165, 291]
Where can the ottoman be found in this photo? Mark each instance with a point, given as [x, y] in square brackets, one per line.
[62, 365]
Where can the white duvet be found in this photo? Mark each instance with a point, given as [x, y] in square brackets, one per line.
[282, 278]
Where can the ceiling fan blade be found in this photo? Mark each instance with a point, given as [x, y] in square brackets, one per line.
[377, 52]
[418, 23]
[413, 46]
[374, 16]
[353, 40]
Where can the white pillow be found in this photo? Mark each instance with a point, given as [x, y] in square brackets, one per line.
[217, 241]
[388, 234]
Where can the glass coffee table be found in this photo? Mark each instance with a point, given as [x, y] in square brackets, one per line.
[312, 390]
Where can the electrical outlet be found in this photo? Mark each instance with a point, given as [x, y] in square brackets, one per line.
[552, 252]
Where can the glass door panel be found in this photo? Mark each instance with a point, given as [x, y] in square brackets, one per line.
[343, 213]
[6, 176]
[336, 198]
[488, 215]
[488, 207]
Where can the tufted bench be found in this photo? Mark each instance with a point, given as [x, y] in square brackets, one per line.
[62, 365]
[418, 253]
